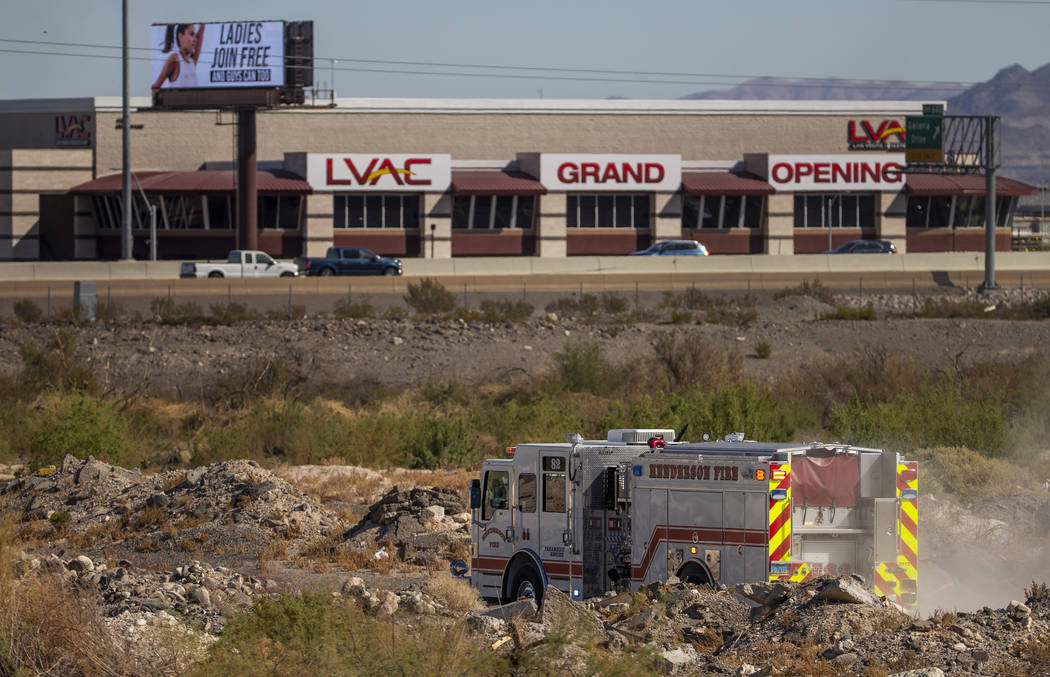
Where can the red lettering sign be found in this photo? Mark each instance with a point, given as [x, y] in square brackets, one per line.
[611, 172]
[862, 135]
[376, 169]
[804, 172]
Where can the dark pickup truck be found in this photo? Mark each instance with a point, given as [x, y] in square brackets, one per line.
[349, 261]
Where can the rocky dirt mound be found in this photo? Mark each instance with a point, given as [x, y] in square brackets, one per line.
[419, 524]
[232, 511]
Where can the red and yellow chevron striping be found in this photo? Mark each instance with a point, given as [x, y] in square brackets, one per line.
[899, 580]
[779, 518]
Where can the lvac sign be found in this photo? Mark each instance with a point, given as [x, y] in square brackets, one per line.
[378, 172]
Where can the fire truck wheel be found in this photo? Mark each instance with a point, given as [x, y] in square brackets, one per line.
[695, 574]
[526, 584]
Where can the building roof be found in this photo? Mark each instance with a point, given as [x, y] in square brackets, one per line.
[494, 182]
[205, 181]
[963, 184]
[724, 183]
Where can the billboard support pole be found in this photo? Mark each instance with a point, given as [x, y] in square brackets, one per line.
[989, 205]
[126, 242]
[247, 194]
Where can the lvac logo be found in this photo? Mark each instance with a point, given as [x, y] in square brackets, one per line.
[370, 174]
[864, 135]
[72, 130]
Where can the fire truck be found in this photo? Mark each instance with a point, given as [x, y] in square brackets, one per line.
[590, 516]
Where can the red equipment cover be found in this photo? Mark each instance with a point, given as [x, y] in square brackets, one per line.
[825, 481]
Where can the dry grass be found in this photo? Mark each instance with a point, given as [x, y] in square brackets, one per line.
[455, 593]
[356, 485]
[46, 629]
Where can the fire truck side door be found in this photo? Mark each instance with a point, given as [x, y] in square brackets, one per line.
[527, 508]
[649, 544]
[553, 518]
[494, 548]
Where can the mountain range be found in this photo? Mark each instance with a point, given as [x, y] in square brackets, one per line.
[1020, 97]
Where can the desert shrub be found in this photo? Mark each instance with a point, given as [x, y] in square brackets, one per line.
[28, 311]
[943, 307]
[82, 426]
[681, 317]
[274, 376]
[581, 367]
[455, 593]
[316, 634]
[494, 312]
[354, 311]
[847, 313]
[814, 289]
[589, 306]
[54, 367]
[763, 350]
[969, 475]
[440, 441]
[167, 310]
[690, 357]
[690, 299]
[430, 297]
[231, 313]
[395, 313]
[107, 311]
[440, 392]
[296, 311]
[933, 415]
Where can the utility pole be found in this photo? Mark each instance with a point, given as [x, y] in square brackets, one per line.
[126, 241]
[989, 204]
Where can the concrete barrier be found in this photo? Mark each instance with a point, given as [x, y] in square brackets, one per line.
[22, 271]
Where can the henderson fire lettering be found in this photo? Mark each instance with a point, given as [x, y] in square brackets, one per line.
[692, 471]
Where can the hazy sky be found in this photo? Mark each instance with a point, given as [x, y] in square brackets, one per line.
[909, 40]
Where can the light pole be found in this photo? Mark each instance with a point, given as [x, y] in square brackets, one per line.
[126, 241]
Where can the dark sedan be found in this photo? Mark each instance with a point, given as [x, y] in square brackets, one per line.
[864, 247]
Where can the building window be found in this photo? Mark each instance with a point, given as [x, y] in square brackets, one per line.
[184, 212]
[960, 211]
[109, 211]
[492, 212]
[376, 210]
[607, 211]
[279, 211]
[722, 211]
[835, 210]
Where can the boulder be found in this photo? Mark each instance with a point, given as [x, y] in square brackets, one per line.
[521, 609]
[846, 590]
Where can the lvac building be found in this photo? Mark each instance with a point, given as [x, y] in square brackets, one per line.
[455, 178]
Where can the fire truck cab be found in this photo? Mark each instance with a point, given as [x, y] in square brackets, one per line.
[590, 516]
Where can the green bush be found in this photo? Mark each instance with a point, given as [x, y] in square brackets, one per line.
[866, 313]
[763, 350]
[440, 441]
[690, 299]
[315, 634]
[354, 311]
[167, 311]
[935, 415]
[970, 475]
[82, 426]
[232, 313]
[681, 317]
[581, 367]
[495, 312]
[429, 297]
[28, 311]
[814, 289]
[54, 367]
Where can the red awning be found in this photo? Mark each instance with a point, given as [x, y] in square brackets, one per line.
[205, 181]
[494, 182]
[724, 183]
[963, 184]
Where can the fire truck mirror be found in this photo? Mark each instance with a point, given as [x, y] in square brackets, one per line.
[475, 494]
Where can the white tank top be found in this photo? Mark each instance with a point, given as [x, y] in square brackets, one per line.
[187, 74]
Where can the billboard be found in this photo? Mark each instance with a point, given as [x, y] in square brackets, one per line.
[236, 54]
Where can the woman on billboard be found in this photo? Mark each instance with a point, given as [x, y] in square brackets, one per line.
[180, 68]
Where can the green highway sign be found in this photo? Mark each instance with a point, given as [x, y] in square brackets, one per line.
[924, 139]
[933, 109]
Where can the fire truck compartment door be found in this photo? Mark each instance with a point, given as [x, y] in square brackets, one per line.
[830, 556]
[649, 542]
[885, 530]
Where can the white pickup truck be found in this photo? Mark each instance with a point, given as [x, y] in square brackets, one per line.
[240, 263]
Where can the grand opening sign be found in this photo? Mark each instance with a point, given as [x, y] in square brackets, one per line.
[217, 55]
[881, 172]
[590, 172]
